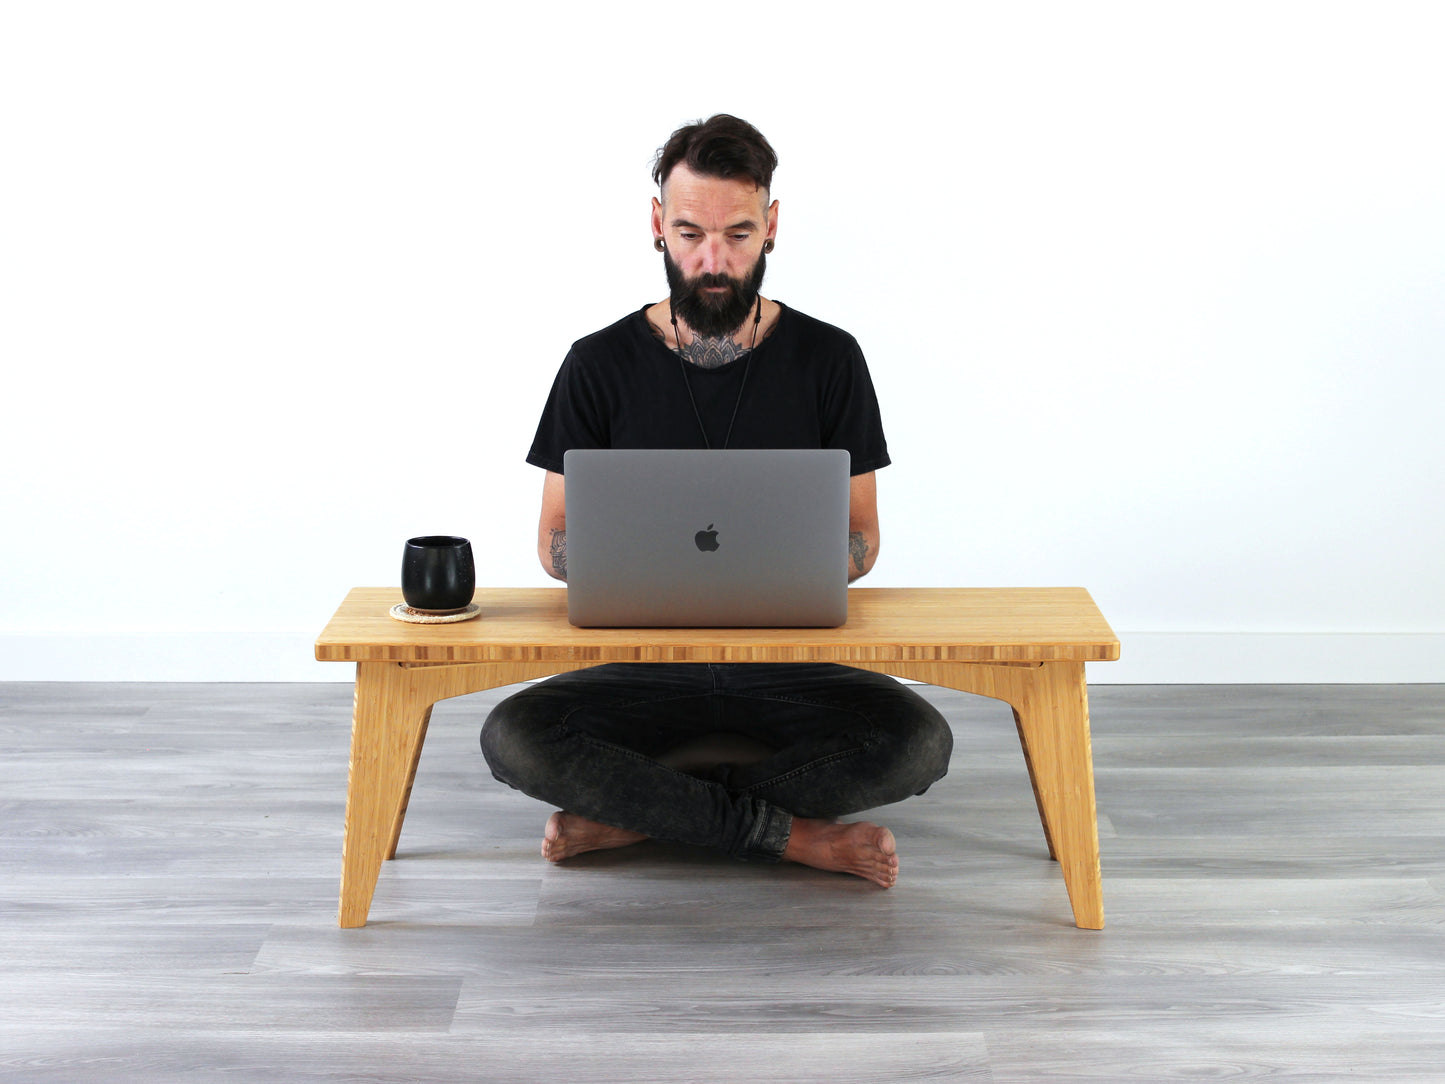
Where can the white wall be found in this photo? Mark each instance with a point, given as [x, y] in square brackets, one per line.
[1152, 294]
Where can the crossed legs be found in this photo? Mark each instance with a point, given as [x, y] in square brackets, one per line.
[844, 740]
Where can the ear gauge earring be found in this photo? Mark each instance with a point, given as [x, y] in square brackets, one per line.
[659, 244]
[768, 245]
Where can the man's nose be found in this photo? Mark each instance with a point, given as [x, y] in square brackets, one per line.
[712, 256]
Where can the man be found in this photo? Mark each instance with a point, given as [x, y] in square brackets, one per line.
[717, 365]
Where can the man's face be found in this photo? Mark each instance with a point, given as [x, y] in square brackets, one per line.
[714, 229]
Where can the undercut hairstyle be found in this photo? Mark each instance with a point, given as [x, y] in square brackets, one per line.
[721, 146]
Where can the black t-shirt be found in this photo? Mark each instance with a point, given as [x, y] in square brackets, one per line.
[807, 386]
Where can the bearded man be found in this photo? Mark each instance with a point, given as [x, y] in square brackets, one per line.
[717, 365]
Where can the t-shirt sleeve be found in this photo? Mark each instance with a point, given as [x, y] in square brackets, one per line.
[573, 417]
[851, 418]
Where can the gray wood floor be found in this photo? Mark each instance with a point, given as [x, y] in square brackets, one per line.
[1274, 877]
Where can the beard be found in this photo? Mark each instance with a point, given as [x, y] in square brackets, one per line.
[713, 316]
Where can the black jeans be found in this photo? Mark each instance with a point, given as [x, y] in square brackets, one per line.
[845, 739]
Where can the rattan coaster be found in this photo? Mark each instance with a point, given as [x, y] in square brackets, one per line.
[402, 612]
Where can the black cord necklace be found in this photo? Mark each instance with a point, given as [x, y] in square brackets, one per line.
[747, 367]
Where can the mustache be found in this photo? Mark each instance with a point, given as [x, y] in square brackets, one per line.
[709, 279]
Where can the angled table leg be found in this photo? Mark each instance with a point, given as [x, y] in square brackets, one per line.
[389, 722]
[1052, 714]
[1051, 710]
[1023, 733]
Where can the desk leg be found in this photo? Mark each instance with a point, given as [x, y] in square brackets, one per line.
[1052, 715]
[1034, 782]
[1051, 710]
[388, 726]
[389, 723]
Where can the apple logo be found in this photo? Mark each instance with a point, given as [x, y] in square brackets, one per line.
[706, 540]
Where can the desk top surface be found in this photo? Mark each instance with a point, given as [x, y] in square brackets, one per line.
[885, 624]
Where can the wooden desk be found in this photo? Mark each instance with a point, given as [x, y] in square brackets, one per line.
[1024, 646]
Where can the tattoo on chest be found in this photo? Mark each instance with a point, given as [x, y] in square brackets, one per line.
[704, 352]
[708, 353]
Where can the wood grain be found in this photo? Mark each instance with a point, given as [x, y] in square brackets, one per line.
[909, 624]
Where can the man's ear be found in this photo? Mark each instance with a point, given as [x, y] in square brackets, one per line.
[772, 222]
[656, 217]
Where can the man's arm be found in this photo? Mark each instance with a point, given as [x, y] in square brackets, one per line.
[552, 527]
[862, 524]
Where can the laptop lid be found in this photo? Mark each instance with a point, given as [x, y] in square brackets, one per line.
[740, 537]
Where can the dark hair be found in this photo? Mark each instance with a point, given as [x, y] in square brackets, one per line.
[721, 146]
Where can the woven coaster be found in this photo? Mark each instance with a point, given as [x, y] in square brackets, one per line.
[402, 612]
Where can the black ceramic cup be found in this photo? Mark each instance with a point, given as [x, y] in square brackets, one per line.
[437, 573]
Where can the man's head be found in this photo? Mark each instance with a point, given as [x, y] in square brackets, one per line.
[714, 220]
[722, 146]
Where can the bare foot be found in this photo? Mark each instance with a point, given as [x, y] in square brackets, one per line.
[862, 849]
[568, 834]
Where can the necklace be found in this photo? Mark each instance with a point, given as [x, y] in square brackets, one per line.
[747, 368]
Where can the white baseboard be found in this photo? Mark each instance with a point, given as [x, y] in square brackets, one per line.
[203, 655]
[1269, 658]
[1148, 658]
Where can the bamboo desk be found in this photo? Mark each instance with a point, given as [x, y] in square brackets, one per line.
[1024, 646]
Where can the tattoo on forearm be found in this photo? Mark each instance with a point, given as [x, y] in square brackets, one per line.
[857, 549]
[558, 550]
[708, 353]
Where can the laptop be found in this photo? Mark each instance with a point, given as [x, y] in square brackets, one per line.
[741, 537]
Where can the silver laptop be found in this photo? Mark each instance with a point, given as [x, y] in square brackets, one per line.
[707, 538]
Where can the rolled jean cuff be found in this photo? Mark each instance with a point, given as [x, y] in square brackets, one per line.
[772, 828]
